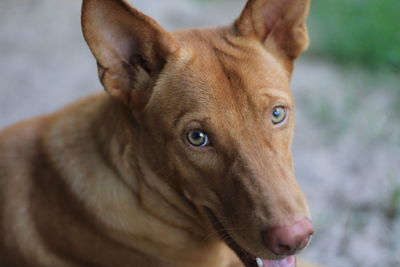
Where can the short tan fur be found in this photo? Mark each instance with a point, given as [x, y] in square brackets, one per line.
[112, 180]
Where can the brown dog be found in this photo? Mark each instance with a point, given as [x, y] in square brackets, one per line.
[185, 160]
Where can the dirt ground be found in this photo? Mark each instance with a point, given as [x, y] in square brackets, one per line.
[347, 142]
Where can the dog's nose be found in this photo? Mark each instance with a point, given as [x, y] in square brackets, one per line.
[288, 239]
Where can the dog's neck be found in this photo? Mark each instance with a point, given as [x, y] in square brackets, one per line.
[129, 199]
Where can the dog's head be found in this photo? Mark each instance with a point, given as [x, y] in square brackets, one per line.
[216, 114]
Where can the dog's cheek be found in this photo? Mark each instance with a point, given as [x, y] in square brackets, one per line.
[198, 173]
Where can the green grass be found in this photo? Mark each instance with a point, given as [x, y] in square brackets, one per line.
[361, 32]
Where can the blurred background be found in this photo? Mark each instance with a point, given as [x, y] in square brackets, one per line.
[346, 87]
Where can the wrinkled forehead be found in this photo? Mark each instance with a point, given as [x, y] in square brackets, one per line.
[229, 65]
[216, 70]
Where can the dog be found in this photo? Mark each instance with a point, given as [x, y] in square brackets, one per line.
[185, 160]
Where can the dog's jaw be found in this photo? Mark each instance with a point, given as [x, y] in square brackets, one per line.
[248, 259]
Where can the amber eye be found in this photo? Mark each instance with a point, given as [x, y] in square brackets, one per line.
[278, 115]
[197, 138]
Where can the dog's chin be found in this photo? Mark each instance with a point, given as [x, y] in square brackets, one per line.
[248, 259]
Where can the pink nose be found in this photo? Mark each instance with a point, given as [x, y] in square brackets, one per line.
[288, 239]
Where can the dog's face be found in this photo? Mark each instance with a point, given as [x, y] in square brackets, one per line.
[216, 114]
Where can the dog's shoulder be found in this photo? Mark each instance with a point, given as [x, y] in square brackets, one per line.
[19, 143]
[24, 145]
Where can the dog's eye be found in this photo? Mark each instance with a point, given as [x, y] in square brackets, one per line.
[198, 138]
[278, 115]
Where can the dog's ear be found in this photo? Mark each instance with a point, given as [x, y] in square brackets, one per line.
[278, 24]
[130, 47]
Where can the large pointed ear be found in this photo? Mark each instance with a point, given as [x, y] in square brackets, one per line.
[277, 23]
[130, 48]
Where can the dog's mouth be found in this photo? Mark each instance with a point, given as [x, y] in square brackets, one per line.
[247, 258]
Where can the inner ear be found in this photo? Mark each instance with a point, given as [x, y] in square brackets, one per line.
[129, 46]
[280, 23]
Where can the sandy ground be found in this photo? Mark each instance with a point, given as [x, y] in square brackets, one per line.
[347, 144]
